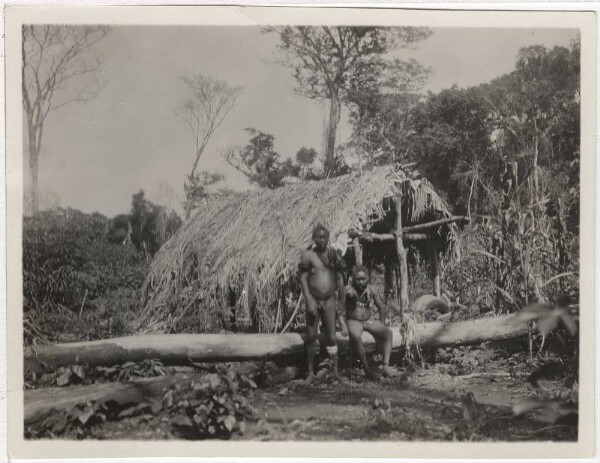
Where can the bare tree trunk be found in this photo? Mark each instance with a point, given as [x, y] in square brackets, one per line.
[33, 178]
[334, 119]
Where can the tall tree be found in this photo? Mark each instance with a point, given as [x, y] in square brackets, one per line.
[328, 62]
[197, 189]
[259, 161]
[305, 157]
[382, 126]
[451, 142]
[147, 226]
[536, 107]
[52, 56]
[208, 104]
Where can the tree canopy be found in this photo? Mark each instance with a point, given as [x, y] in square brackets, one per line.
[343, 63]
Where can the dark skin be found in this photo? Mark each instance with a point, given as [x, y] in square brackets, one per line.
[382, 334]
[319, 286]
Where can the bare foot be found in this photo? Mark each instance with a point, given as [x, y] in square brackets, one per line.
[388, 372]
[309, 379]
[372, 374]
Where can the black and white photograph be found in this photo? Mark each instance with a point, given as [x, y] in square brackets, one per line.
[308, 232]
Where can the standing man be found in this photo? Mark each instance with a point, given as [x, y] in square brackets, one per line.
[321, 276]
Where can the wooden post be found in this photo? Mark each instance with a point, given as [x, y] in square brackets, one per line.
[388, 280]
[435, 265]
[401, 251]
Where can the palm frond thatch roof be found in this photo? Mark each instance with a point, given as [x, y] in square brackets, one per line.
[239, 249]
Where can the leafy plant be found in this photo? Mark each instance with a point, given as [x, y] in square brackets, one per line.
[556, 410]
[75, 282]
[217, 406]
[84, 374]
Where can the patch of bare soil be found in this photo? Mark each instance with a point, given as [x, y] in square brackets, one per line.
[468, 400]
[427, 405]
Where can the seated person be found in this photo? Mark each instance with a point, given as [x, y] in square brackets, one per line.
[359, 301]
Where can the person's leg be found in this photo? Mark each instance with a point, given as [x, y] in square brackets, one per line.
[355, 330]
[329, 316]
[310, 344]
[384, 336]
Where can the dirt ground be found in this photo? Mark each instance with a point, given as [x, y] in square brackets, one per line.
[433, 403]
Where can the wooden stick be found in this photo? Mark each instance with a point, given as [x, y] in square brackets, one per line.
[287, 325]
[277, 316]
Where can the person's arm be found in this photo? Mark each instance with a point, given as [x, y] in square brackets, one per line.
[379, 305]
[304, 268]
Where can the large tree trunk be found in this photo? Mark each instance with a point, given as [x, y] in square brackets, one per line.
[33, 178]
[180, 349]
[334, 119]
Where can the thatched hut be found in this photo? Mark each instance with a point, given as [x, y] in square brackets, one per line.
[236, 260]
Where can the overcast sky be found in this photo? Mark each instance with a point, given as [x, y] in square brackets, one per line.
[96, 155]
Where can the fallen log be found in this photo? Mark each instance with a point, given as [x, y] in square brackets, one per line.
[39, 402]
[181, 349]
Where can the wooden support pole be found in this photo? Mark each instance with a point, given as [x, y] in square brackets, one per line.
[435, 265]
[388, 280]
[401, 251]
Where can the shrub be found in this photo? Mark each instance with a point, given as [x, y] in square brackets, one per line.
[75, 282]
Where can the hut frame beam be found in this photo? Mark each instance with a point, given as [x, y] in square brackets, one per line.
[407, 232]
[377, 237]
[436, 223]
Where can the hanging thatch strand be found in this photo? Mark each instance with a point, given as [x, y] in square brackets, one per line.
[239, 249]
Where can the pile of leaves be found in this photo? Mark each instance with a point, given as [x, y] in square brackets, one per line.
[79, 374]
[220, 414]
[217, 406]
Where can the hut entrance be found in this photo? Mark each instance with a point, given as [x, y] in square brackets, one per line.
[386, 239]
